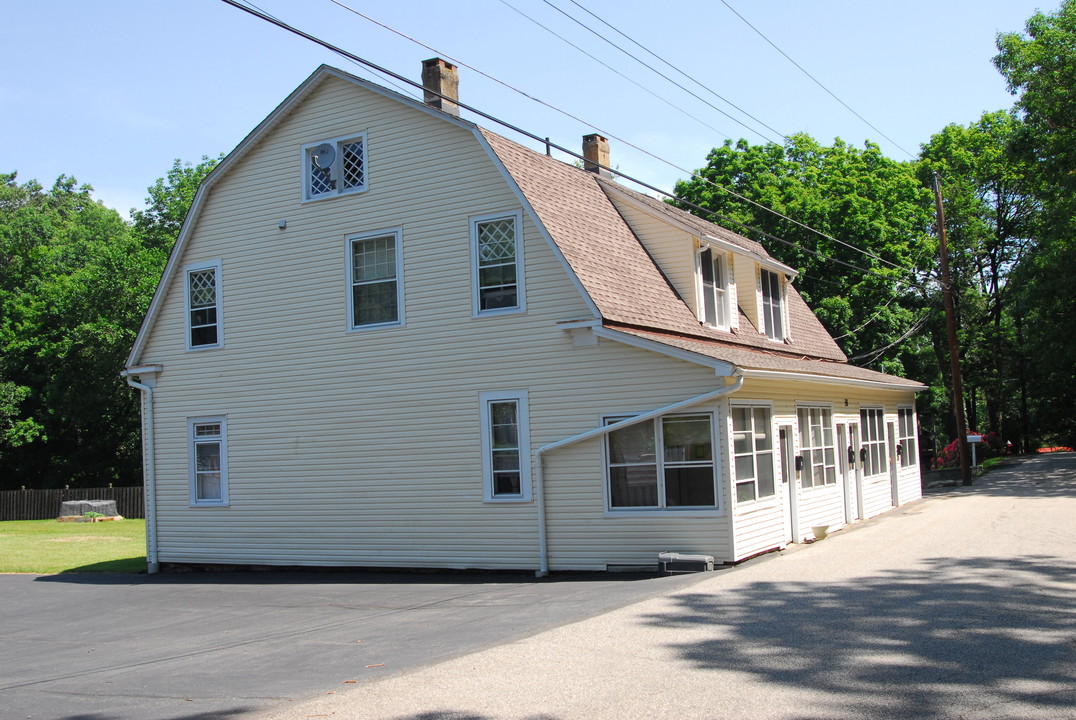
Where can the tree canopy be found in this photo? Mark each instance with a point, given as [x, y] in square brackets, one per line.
[1040, 68]
[75, 282]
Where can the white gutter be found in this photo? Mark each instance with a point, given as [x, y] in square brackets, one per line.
[149, 464]
[539, 488]
[829, 379]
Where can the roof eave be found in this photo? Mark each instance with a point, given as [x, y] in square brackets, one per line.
[831, 379]
[720, 367]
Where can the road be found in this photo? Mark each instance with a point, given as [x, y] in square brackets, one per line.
[962, 605]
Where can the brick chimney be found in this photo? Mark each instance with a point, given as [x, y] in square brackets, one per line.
[441, 77]
[595, 153]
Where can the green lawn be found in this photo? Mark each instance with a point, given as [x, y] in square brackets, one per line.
[47, 547]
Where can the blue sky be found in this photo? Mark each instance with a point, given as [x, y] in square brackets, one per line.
[112, 91]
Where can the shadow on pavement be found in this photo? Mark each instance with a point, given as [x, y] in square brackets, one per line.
[904, 642]
[212, 715]
[463, 715]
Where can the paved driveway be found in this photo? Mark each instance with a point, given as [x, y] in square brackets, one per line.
[960, 606]
[214, 645]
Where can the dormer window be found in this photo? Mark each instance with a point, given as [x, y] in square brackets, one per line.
[334, 167]
[773, 315]
[713, 281]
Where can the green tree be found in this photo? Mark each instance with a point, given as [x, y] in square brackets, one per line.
[990, 213]
[73, 286]
[169, 200]
[862, 201]
[1040, 68]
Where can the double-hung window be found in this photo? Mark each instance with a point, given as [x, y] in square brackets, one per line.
[817, 451]
[872, 421]
[752, 448]
[203, 306]
[208, 461]
[713, 281]
[336, 166]
[497, 264]
[375, 296]
[906, 436]
[505, 446]
[663, 463]
[773, 323]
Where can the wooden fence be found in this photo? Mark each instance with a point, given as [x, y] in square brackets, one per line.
[45, 504]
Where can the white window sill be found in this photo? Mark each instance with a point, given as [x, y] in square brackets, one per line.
[668, 513]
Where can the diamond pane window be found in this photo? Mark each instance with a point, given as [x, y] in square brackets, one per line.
[334, 167]
[321, 181]
[202, 308]
[375, 287]
[496, 255]
[353, 165]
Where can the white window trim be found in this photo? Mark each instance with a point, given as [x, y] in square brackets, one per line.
[521, 295]
[336, 142]
[520, 397]
[216, 266]
[883, 474]
[725, 281]
[397, 234]
[191, 464]
[770, 500]
[913, 439]
[679, 511]
[782, 300]
[836, 449]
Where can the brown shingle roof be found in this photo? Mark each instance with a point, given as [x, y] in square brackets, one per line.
[629, 289]
[750, 359]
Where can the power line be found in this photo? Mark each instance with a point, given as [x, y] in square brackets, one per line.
[875, 353]
[667, 63]
[666, 77]
[690, 173]
[614, 70]
[546, 141]
[383, 78]
[816, 81]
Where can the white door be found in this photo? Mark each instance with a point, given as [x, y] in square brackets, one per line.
[844, 472]
[891, 442]
[788, 483]
[852, 455]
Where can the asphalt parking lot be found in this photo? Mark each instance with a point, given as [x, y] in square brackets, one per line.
[195, 646]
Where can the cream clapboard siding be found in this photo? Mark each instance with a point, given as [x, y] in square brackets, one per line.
[362, 448]
[672, 248]
[748, 293]
[761, 526]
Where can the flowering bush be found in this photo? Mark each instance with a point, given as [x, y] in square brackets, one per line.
[949, 456]
[1053, 449]
[991, 446]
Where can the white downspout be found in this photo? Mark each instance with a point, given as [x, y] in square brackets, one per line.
[149, 464]
[539, 487]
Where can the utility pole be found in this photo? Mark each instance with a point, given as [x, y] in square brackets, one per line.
[954, 351]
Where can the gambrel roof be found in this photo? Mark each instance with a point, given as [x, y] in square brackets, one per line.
[628, 288]
[622, 283]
